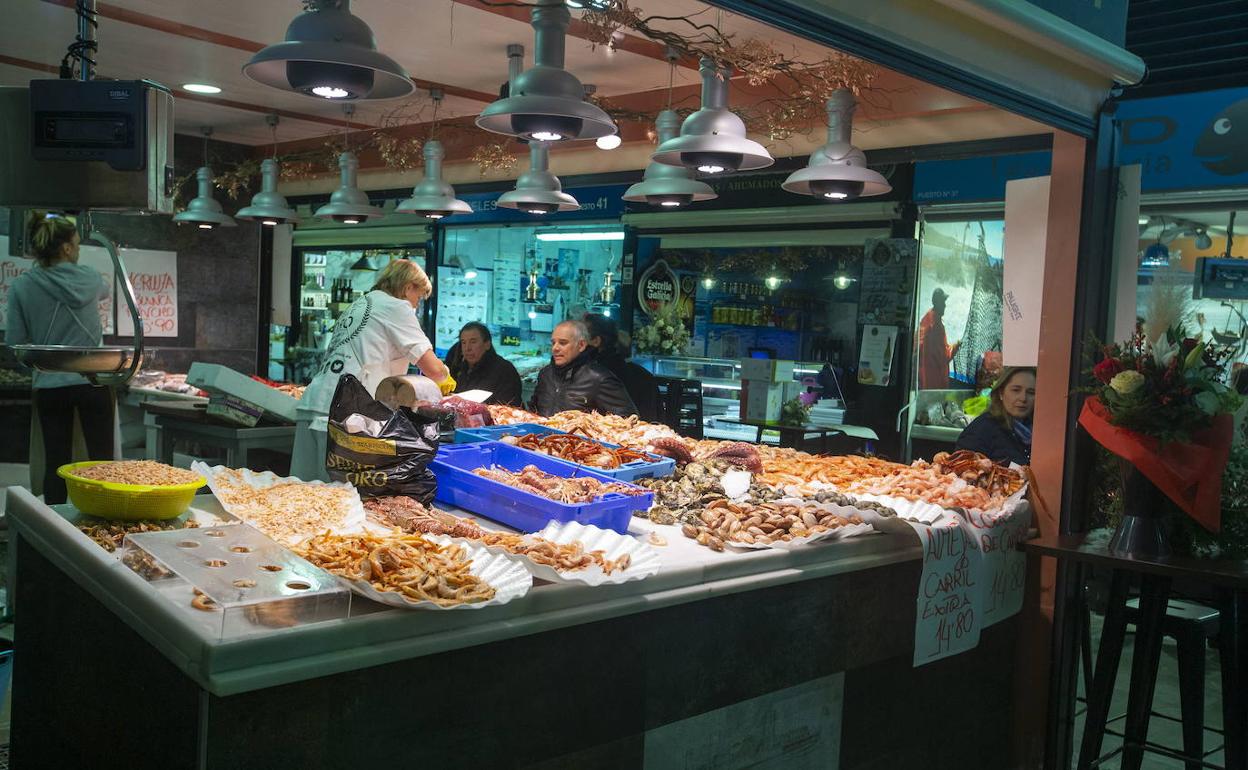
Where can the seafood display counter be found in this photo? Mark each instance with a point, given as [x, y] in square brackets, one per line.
[800, 657]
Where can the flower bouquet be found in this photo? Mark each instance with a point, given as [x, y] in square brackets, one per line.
[1163, 408]
[666, 334]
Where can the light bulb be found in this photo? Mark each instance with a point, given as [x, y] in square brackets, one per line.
[433, 215]
[350, 221]
[710, 169]
[606, 312]
[842, 282]
[773, 282]
[670, 204]
[331, 92]
[205, 226]
[269, 222]
[470, 274]
[1143, 219]
[535, 211]
[708, 283]
[532, 314]
[836, 195]
[547, 136]
[608, 142]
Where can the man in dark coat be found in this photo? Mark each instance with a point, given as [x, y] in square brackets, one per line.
[574, 380]
[479, 367]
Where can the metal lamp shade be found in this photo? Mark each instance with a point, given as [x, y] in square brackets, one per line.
[203, 210]
[268, 207]
[838, 171]
[349, 204]
[713, 140]
[546, 102]
[432, 197]
[537, 190]
[334, 51]
[668, 186]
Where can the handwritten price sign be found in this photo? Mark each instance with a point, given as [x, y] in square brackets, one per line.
[154, 275]
[949, 603]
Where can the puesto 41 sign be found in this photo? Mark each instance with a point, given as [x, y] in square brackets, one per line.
[1189, 141]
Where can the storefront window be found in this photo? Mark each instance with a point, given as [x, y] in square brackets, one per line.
[1170, 246]
[521, 281]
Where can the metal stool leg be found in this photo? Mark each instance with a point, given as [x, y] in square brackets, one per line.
[1231, 646]
[1085, 641]
[1102, 690]
[1191, 649]
[1154, 595]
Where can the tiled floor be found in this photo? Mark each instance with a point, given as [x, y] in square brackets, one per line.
[1165, 701]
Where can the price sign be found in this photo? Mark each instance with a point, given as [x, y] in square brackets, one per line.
[950, 602]
[154, 275]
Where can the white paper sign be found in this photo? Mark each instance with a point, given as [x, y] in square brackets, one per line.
[1026, 228]
[154, 275]
[950, 606]
[875, 354]
[12, 267]
[1003, 574]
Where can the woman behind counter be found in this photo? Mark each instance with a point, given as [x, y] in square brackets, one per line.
[1003, 433]
[56, 303]
[377, 337]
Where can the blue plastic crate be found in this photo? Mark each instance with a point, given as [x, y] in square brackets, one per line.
[459, 486]
[655, 468]
[496, 432]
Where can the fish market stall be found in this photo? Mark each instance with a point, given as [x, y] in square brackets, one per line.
[750, 600]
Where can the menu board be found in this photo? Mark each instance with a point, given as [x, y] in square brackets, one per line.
[887, 292]
[460, 300]
[154, 276]
[12, 267]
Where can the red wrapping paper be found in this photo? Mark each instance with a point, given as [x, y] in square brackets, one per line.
[1190, 474]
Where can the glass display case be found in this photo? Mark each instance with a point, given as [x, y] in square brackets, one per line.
[721, 387]
[520, 281]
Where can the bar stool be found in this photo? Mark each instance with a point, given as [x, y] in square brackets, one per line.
[1191, 625]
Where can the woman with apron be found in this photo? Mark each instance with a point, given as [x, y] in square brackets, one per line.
[377, 337]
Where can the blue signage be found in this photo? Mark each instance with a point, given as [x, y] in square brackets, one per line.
[1188, 141]
[975, 179]
[597, 202]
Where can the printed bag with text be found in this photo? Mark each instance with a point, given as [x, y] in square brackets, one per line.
[378, 450]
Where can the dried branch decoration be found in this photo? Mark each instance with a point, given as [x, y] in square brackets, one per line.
[493, 157]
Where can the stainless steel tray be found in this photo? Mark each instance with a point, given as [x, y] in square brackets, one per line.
[70, 358]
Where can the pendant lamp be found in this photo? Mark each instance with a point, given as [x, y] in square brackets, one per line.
[537, 190]
[668, 186]
[269, 207]
[348, 204]
[329, 53]
[204, 211]
[712, 140]
[432, 197]
[838, 171]
[546, 102]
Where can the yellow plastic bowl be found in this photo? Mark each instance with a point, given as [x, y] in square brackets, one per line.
[109, 500]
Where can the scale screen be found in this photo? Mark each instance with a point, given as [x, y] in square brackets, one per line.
[1221, 279]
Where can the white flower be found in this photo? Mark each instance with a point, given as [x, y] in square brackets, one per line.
[1128, 382]
[1164, 351]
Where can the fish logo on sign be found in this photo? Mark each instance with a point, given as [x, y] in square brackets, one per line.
[1219, 148]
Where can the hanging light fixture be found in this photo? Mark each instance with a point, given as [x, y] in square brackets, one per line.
[712, 140]
[349, 204]
[204, 211]
[664, 185]
[537, 190]
[329, 53]
[432, 197]
[838, 171]
[546, 102]
[269, 207]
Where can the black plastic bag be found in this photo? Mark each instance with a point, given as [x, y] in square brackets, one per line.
[391, 457]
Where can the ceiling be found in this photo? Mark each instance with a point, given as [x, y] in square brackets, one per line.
[458, 45]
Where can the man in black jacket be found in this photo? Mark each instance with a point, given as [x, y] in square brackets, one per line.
[574, 380]
[479, 367]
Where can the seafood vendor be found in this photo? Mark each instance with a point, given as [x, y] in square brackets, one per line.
[57, 303]
[1003, 433]
[935, 352]
[377, 337]
[479, 367]
[574, 380]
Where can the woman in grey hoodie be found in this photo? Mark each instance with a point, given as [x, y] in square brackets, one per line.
[56, 303]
